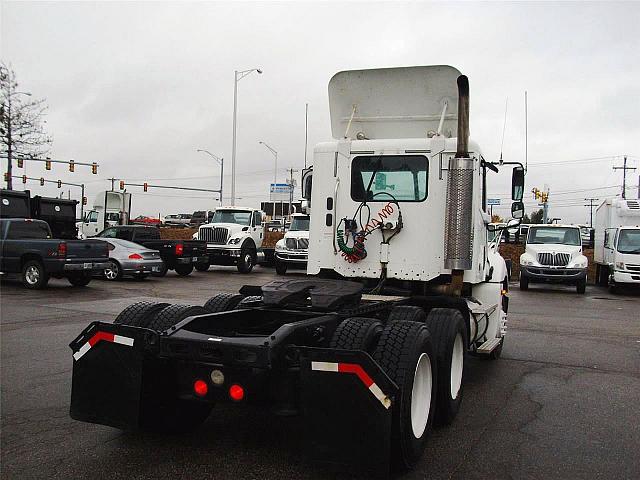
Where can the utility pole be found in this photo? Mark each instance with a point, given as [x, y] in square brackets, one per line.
[591, 205]
[624, 169]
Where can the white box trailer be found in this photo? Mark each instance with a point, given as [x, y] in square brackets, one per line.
[617, 242]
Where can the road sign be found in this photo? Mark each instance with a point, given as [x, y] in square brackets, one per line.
[493, 201]
[279, 192]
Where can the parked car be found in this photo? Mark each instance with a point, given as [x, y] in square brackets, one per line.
[179, 255]
[130, 259]
[144, 220]
[179, 219]
[28, 249]
[201, 217]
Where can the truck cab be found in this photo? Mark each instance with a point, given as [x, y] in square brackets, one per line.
[553, 253]
[293, 249]
[110, 209]
[233, 236]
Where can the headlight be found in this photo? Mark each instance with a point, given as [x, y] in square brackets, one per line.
[280, 246]
[580, 264]
[234, 241]
[526, 261]
[620, 266]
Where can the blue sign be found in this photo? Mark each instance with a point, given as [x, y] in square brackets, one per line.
[493, 201]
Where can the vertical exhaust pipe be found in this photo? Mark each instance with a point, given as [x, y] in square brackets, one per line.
[458, 230]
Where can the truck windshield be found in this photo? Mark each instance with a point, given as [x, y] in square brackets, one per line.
[401, 177]
[557, 235]
[299, 224]
[629, 241]
[232, 216]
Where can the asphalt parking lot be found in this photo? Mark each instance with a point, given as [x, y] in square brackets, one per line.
[563, 402]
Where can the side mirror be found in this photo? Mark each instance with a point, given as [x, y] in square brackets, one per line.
[517, 184]
[514, 222]
[517, 210]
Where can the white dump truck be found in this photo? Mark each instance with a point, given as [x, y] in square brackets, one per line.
[370, 346]
[617, 243]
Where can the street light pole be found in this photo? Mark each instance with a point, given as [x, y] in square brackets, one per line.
[275, 154]
[237, 77]
[221, 162]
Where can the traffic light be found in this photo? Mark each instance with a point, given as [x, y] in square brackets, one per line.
[20, 163]
[72, 166]
[94, 168]
[24, 179]
[145, 186]
[121, 184]
[84, 200]
[41, 182]
[59, 183]
[47, 163]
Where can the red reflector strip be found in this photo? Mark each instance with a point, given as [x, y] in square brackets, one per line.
[107, 337]
[354, 369]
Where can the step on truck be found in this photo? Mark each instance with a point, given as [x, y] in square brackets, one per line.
[369, 348]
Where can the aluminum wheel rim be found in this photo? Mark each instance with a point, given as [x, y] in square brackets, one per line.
[248, 260]
[111, 272]
[457, 365]
[32, 275]
[421, 395]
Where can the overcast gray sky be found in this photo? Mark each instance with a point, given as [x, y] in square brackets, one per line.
[138, 87]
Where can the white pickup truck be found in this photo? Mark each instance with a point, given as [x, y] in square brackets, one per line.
[553, 253]
[293, 249]
[234, 235]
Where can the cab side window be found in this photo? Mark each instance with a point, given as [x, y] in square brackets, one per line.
[257, 219]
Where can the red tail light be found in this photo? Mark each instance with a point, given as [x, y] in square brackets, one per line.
[135, 256]
[200, 388]
[179, 249]
[62, 249]
[236, 392]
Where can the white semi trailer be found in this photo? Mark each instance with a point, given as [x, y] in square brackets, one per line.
[617, 243]
[370, 346]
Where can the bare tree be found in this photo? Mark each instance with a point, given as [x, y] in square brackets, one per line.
[21, 122]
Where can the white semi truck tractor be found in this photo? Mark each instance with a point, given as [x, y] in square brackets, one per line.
[616, 250]
[369, 347]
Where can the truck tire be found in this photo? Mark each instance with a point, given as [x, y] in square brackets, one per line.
[249, 302]
[202, 267]
[524, 282]
[139, 314]
[357, 334]
[184, 270]
[222, 302]
[174, 314]
[581, 286]
[406, 313]
[79, 280]
[405, 352]
[113, 271]
[34, 275]
[163, 271]
[281, 267]
[449, 334]
[247, 260]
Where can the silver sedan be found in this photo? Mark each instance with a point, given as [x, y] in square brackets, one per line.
[128, 258]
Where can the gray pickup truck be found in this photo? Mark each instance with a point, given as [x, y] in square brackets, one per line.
[28, 249]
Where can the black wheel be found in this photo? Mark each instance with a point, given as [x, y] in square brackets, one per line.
[174, 314]
[202, 267]
[79, 280]
[140, 314]
[524, 282]
[140, 276]
[405, 352]
[162, 272]
[581, 286]
[405, 313]
[113, 271]
[357, 334]
[449, 335]
[250, 301]
[281, 267]
[34, 275]
[184, 270]
[222, 302]
[247, 260]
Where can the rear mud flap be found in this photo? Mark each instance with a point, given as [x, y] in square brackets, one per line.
[108, 364]
[347, 404]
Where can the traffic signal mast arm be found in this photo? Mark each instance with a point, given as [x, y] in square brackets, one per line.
[48, 161]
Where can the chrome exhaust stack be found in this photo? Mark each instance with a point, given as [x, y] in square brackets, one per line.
[458, 230]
